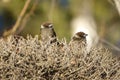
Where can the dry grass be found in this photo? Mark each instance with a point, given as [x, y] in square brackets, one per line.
[28, 59]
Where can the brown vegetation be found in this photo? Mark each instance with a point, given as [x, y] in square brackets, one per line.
[29, 59]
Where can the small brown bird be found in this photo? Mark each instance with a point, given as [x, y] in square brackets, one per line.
[47, 33]
[78, 41]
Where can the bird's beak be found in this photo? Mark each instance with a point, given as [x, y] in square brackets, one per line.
[85, 35]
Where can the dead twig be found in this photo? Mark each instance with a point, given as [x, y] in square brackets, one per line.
[50, 15]
[27, 16]
[117, 4]
[110, 44]
[15, 27]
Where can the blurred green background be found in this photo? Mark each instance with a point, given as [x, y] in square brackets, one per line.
[61, 13]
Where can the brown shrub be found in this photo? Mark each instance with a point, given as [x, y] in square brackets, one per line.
[22, 59]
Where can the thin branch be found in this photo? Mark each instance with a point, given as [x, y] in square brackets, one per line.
[50, 14]
[112, 2]
[15, 27]
[117, 3]
[110, 44]
[27, 16]
[69, 74]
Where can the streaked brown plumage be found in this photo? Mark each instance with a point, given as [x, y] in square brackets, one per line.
[47, 33]
[78, 41]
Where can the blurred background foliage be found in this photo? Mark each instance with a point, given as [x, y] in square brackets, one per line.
[61, 13]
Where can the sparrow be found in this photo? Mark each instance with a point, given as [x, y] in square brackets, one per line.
[47, 33]
[78, 41]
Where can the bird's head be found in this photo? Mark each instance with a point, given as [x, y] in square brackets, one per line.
[80, 35]
[46, 25]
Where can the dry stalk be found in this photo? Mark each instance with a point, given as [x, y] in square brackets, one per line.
[18, 22]
[27, 16]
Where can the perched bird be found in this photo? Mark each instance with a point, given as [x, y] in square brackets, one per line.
[85, 22]
[78, 41]
[47, 33]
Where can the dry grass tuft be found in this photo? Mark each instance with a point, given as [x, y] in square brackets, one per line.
[30, 59]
